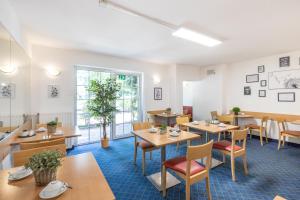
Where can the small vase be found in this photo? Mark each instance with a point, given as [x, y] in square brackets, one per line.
[51, 129]
[44, 177]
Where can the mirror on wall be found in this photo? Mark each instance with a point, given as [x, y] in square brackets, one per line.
[14, 83]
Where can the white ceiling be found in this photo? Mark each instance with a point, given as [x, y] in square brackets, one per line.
[249, 28]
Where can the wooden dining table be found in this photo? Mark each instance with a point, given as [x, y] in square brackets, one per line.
[42, 136]
[81, 172]
[161, 141]
[210, 129]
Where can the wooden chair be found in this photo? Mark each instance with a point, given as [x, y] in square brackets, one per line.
[233, 150]
[214, 115]
[283, 132]
[188, 169]
[262, 128]
[21, 157]
[180, 121]
[31, 145]
[145, 146]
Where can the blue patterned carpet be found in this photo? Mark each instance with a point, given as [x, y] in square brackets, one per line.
[271, 172]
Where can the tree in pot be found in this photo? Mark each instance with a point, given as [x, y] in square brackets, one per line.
[236, 110]
[44, 166]
[102, 105]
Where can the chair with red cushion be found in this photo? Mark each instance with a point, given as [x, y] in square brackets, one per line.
[145, 146]
[233, 150]
[188, 169]
[283, 132]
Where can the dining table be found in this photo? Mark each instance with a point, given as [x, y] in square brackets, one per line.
[161, 140]
[297, 122]
[209, 128]
[61, 132]
[81, 172]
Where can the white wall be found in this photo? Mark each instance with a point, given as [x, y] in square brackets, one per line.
[10, 20]
[187, 93]
[65, 60]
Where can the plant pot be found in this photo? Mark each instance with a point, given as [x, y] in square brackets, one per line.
[105, 143]
[44, 177]
[236, 113]
[51, 129]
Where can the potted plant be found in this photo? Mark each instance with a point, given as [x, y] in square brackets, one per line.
[102, 105]
[44, 166]
[163, 129]
[236, 110]
[168, 110]
[51, 126]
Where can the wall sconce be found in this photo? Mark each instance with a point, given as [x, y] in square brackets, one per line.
[52, 72]
[156, 79]
[8, 69]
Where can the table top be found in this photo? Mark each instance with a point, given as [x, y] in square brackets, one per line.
[80, 171]
[67, 133]
[297, 122]
[211, 128]
[166, 115]
[159, 140]
[243, 116]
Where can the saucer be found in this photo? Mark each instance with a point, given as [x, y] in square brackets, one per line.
[19, 174]
[53, 189]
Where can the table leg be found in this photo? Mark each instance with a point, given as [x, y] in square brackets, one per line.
[156, 178]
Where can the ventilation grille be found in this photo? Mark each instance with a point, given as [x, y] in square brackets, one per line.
[210, 72]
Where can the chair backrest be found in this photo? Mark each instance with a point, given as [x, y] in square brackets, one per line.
[226, 118]
[141, 125]
[182, 120]
[199, 151]
[31, 145]
[21, 157]
[214, 115]
[281, 122]
[239, 135]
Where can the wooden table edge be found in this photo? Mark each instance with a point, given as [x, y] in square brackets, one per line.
[39, 140]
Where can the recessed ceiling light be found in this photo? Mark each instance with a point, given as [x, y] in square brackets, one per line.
[193, 36]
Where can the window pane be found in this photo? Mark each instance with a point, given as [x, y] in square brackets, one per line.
[119, 105]
[127, 128]
[81, 105]
[119, 117]
[82, 93]
[95, 75]
[127, 117]
[82, 77]
[105, 75]
[127, 105]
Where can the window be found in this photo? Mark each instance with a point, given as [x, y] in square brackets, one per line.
[128, 104]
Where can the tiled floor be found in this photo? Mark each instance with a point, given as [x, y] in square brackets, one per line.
[272, 172]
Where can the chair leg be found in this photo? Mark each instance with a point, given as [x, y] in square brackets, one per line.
[261, 139]
[232, 168]
[164, 181]
[219, 137]
[177, 147]
[135, 153]
[224, 158]
[143, 162]
[245, 164]
[208, 188]
[283, 142]
[266, 134]
[279, 141]
[250, 132]
[187, 190]
[150, 155]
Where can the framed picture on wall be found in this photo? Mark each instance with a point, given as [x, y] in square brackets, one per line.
[262, 93]
[261, 69]
[263, 83]
[7, 90]
[157, 93]
[286, 97]
[251, 78]
[53, 91]
[247, 90]
[284, 61]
